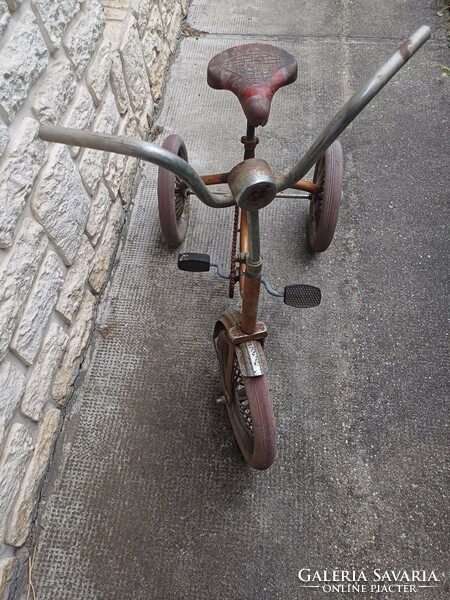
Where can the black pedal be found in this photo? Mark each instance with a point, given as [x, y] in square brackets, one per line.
[302, 296]
[194, 261]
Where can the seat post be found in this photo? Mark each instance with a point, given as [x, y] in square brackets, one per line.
[250, 142]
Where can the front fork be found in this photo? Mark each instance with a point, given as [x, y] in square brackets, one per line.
[248, 349]
[250, 296]
[250, 269]
[245, 334]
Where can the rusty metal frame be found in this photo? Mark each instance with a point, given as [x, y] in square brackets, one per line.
[222, 178]
[250, 298]
[243, 247]
[215, 179]
[305, 186]
[237, 336]
[229, 372]
[250, 273]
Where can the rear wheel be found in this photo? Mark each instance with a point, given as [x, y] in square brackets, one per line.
[324, 207]
[173, 202]
[249, 408]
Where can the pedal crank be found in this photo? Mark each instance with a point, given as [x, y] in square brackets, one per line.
[297, 295]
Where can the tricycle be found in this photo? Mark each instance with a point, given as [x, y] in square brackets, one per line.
[253, 72]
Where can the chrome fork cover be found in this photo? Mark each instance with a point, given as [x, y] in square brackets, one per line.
[251, 359]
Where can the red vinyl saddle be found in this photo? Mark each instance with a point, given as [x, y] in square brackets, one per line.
[253, 72]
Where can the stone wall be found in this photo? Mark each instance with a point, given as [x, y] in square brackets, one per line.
[79, 63]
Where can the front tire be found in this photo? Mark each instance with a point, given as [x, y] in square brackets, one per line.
[249, 408]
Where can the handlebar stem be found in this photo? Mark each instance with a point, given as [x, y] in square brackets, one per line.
[254, 247]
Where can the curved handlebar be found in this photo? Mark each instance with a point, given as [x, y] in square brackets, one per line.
[167, 160]
[138, 149]
[354, 106]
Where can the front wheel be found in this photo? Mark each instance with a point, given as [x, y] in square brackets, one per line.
[173, 202]
[324, 207]
[249, 407]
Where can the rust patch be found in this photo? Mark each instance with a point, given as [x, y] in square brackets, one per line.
[405, 50]
[215, 179]
[237, 336]
[250, 300]
[305, 186]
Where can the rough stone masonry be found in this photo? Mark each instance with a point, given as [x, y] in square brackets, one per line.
[88, 64]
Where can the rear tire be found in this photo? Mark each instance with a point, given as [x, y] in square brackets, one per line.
[173, 202]
[249, 408]
[324, 207]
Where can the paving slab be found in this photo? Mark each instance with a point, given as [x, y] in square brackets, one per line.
[148, 496]
[326, 18]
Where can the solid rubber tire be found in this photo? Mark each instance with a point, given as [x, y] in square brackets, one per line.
[329, 168]
[260, 452]
[174, 230]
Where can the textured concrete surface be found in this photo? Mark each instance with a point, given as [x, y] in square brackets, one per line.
[148, 497]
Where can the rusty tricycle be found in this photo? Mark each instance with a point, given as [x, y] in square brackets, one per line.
[253, 72]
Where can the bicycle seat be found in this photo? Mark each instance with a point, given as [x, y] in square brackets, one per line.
[253, 72]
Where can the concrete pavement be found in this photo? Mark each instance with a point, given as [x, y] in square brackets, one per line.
[148, 497]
